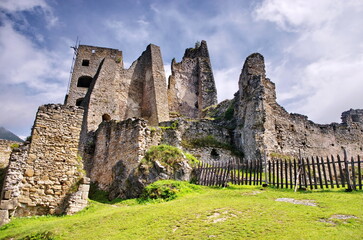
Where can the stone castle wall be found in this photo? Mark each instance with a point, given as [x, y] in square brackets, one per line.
[191, 85]
[119, 94]
[5, 151]
[120, 146]
[87, 62]
[264, 127]
[286, 134]
[249, 110]
[43, 175]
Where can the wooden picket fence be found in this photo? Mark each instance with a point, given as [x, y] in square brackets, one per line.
[316, 172]
[220, 173]
[310, 172]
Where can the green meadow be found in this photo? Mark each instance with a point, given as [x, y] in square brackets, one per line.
[186, 211]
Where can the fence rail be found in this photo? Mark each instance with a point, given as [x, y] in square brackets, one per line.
[310, 172]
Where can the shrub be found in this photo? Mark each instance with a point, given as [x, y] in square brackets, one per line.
[14, 145]
[166, 190]
[169, 155]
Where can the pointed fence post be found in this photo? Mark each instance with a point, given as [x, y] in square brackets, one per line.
[347, 175]
[265, 169]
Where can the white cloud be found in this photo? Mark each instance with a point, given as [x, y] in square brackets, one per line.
[22, 5]
[227, 82]
[30, 76]
[167, 69]
[298, 14]
[41, 6]
[321, 68]
[136, 34]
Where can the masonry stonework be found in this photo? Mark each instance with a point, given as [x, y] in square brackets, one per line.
[5, 151]
[120, 147]
[113, 115]
[191, 85]
[87, 62]
[264, 128]
[44, 173]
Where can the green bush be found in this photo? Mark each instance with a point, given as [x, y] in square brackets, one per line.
[166, 190]
[167, 155]
[14, 145]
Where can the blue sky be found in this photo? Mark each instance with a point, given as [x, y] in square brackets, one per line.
[313, 48]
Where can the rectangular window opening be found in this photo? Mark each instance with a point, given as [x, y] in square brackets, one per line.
[85, 62]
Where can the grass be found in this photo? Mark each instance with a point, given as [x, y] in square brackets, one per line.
[168, 155]
[166, 190]
[236, 212]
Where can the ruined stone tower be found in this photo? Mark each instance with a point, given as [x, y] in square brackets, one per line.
[107, 91]
[265, 129]
[87, 62]
[191, 86]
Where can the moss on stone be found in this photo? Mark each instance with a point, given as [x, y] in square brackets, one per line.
[167, 155]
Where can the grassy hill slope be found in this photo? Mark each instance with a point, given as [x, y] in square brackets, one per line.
[209, 213]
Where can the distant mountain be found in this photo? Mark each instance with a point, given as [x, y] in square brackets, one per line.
[7, 135]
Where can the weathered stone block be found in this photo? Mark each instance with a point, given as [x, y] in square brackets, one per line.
[7, 194]
[29, 172]
[4, 217]
[31, 158]
[23, 199]
[7, 204]
[84, 187]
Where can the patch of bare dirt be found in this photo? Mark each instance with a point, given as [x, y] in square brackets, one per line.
[301, 202]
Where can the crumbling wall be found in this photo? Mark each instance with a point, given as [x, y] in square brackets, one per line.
[264, 127]
[44, 174]
[119, 148]
[87, 62]
[6, 147]
[286, 134]
[250, 112]
[191, 86]
[118, 94]
[5, 151]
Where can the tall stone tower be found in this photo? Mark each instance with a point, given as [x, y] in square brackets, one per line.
[191, 86]
[88, 60]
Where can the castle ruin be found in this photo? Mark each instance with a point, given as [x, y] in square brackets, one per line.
[111, 116]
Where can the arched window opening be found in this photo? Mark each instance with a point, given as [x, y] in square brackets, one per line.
[84, 81]
[79, 101]
[106, 117]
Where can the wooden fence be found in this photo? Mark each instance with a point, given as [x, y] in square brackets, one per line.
[220, 173]
[311, 172]
[316, 172]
